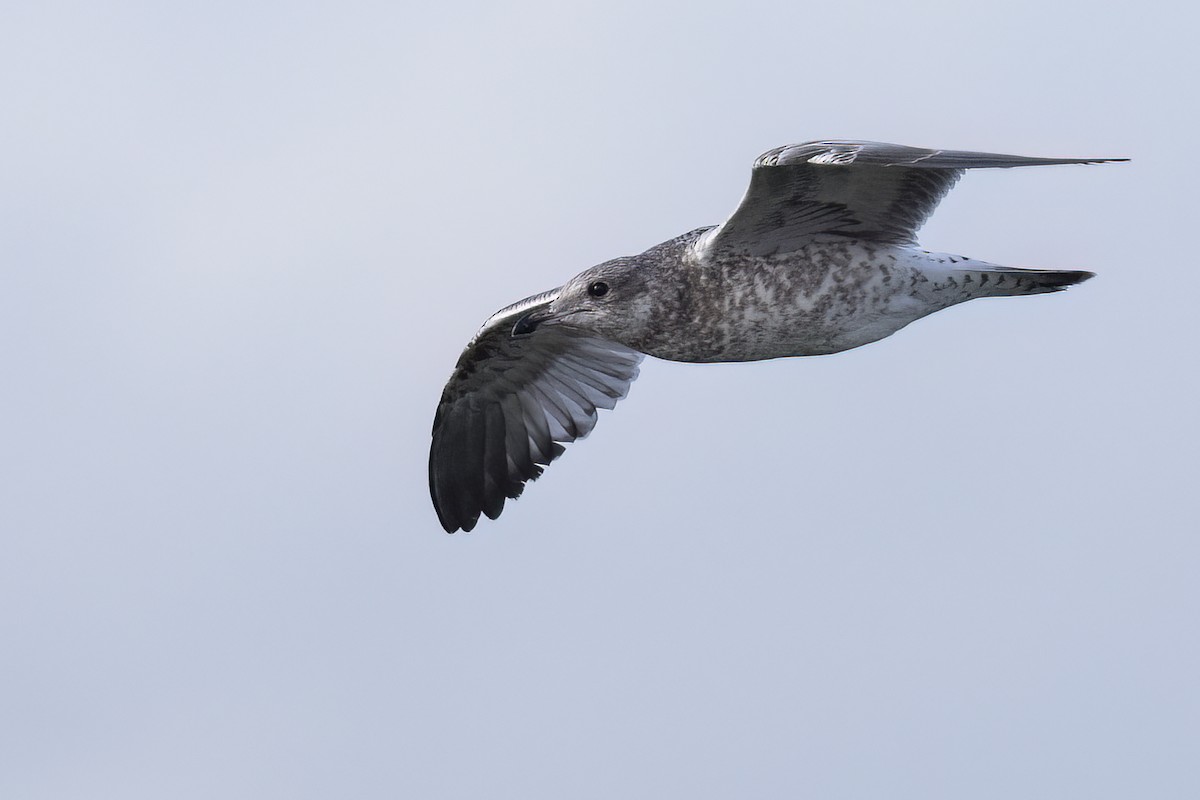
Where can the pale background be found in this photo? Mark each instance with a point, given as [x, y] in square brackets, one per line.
[242, 246]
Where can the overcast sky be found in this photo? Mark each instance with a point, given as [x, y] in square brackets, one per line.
[241, 247]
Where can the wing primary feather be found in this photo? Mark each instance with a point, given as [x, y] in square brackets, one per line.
[447, 467]
[441, 480]
[516, 439]
[470, 471]
[495, 461]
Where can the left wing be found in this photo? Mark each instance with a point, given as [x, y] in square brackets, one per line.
[864, 190]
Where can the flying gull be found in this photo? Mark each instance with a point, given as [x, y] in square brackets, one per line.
[820, 256]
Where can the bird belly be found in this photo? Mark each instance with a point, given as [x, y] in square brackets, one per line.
[824, 298]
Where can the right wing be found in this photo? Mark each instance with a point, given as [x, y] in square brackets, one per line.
[510, 402]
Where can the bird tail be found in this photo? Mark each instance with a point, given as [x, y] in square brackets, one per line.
[1014, 281]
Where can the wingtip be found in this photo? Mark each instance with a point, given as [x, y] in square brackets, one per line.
[453, 526]
[449, 525]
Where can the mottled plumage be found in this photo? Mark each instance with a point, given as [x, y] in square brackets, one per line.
[819, 257]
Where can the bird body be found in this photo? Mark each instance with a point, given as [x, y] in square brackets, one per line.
[828, 295]
[819, 257]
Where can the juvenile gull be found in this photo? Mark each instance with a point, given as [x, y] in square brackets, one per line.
[820, 256]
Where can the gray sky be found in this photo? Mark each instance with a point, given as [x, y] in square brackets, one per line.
[242, 247]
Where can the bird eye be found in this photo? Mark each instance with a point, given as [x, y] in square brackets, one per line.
[598, 289]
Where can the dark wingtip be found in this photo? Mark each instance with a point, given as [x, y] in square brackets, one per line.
[445, 510]
[452, 525]
[449, 525]
[444, 515]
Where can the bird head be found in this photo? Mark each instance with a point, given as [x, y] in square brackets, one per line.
[611, 300]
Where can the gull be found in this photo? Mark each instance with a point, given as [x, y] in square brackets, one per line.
[820, 256]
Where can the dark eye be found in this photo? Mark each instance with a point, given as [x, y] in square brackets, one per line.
[598, 289]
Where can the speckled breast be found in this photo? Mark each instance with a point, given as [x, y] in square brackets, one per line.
[829, 296]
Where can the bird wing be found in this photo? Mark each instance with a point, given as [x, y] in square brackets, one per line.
[510, 402]
[865, 190]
